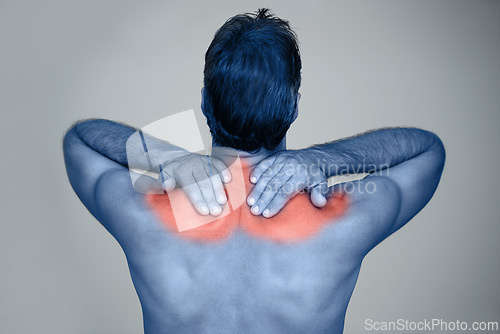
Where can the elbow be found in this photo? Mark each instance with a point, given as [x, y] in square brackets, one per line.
[71, 142]
[74, 128]
[70, 137]
[67, 139]
[439, 153]
[434, 150]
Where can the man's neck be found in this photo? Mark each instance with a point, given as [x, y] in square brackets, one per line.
[228, 155]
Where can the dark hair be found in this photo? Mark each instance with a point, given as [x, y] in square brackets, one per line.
[251, 78]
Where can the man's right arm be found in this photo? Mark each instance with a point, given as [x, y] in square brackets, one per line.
[411, 158]
[92, 143]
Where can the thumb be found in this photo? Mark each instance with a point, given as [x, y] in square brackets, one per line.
[318, 194]
[167, 181]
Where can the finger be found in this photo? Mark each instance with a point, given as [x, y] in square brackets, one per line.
[291, 188]
[207, 191]
[167, 181]
[264, 181]
[318, 194]
[218, 188]
[147, 185]
[193, 192]
[268, 193]
[169, 184]
[261, 168]
[222, 169]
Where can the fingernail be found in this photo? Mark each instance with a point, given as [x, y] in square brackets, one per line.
[251, 201]
[216, 210]
[253, 179]
[222, 199]
[204, 210]
[255, 209]
[266, 213]
[168, 185]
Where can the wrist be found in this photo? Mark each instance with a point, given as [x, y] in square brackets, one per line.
[161, 152]
[317, 159]
[167, 155]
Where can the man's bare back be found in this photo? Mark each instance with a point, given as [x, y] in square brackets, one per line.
[243, 281]
[246, 280]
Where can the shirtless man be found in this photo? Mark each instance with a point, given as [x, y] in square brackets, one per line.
[285, 260]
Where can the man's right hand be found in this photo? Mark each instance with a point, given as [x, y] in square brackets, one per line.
[201, 177]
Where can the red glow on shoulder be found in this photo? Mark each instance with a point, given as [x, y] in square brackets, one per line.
[298, 220]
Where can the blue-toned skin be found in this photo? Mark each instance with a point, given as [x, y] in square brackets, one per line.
[244, 284]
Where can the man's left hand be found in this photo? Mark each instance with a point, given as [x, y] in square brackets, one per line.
[283, 175]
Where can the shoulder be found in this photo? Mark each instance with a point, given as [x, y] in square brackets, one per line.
[122, 210]
[373, 204]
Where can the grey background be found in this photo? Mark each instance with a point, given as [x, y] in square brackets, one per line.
[366, 64]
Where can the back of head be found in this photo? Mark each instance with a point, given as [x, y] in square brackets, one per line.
[251, 78]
